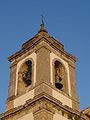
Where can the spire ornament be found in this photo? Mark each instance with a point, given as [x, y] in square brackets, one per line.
[42, 29]
[42, 25]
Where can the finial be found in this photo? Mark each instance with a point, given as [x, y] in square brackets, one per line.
[42, 20]
[42, 25]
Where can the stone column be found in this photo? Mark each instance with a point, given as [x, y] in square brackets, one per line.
[43, 66]
[75, 102]
[11, 88]
[43, 71]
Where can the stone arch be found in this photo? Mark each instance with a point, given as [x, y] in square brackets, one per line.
[62, 77]
[25, 76]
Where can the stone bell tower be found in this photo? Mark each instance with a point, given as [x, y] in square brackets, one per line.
[42, 82]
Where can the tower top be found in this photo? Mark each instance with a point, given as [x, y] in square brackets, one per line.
[42, 28]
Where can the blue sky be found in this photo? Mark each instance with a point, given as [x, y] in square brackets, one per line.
[66, 20]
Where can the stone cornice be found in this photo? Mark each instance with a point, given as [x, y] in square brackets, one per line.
[43, 83]
[41, 98]
[36, 40]
[87, 112]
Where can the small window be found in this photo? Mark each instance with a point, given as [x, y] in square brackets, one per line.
[27, 73]
[59, 74]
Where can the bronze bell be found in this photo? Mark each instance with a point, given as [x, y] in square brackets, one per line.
[57, 82]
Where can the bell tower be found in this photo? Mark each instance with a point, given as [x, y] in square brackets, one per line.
[42, 82]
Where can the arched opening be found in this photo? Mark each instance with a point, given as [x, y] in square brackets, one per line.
[59, 74]
[27, 73]
[24, 77]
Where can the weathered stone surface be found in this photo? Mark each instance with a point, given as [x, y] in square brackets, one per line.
[41, 107]
[73, 88]
[43, 65]
[45, 102]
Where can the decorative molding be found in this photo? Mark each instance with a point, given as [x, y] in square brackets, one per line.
[36, 40]
[41, 101]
